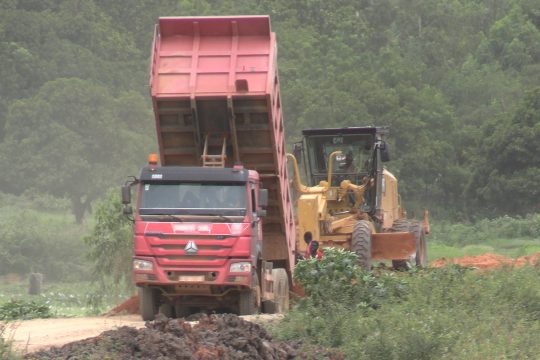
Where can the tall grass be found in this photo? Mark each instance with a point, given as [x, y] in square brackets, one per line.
[448, 313]
[6, 348]
[505, 235]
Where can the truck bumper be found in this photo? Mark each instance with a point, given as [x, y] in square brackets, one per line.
[190, 275]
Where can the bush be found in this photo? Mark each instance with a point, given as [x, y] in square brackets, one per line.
[20, 309]
[451, 313]
[337, 280]
[111, 243]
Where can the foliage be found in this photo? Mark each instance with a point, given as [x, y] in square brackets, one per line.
[6, 346]
[71, 114]
[446, 313]
[18, 309]
[448, 77]
[513, 173]
[335, 287]
[37, 234]
[66, 299]
[337, 279]
[111, 242]
[487, 231]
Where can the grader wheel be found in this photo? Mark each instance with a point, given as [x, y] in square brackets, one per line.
[419, 259]
[361, 243]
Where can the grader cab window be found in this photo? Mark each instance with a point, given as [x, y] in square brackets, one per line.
[354, 161]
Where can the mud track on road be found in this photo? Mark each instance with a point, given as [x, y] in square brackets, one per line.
[223, 336]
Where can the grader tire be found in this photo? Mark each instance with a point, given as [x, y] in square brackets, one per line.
[361, 243]
[420, 258]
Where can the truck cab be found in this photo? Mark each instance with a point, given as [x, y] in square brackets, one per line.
[200, 228]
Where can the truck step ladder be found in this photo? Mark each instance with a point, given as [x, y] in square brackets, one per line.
[214, 160]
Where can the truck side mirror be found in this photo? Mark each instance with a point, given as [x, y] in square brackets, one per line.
[297, 152]
[385, 154]
[126, 194]
[263, 197]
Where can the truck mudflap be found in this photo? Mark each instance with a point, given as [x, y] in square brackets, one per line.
[393, 246]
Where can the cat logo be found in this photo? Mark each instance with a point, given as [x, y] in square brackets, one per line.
[191, 248]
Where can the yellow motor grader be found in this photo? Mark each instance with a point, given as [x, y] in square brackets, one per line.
[352, 201]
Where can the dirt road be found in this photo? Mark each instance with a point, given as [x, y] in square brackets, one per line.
[33, 335]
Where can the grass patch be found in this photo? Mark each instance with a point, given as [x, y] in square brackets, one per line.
[450, 313]
[507, 236]
[65, 299]
[24, 310]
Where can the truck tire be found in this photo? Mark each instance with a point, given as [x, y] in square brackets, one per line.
[148, 303]
[250, 299]
[281, 290]
[420, 258]
[361, 243]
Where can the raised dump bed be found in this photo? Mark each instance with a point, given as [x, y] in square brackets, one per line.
[215, 91]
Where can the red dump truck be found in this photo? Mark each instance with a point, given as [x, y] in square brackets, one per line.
[213, 223]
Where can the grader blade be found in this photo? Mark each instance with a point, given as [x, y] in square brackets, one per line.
[393, 246]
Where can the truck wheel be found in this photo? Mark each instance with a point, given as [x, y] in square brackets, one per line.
[148, 303]
[361, 243]
[419, 259]
[281, 290]
[249, 300]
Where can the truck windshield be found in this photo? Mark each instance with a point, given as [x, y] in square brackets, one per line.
[193, 199]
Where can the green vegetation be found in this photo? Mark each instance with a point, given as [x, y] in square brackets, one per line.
[57, 300]
[505, 235]
[456, 81]
[6, 348]
[38, 234]
[26, 310]
[449, 313]
[110, 244]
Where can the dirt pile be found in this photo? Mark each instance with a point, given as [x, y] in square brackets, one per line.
[224, 336]
[488, 261]
[130, 306]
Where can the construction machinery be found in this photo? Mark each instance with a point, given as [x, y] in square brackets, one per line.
[214, 226]
[351, 201]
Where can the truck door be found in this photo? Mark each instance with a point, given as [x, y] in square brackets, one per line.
[256, 225]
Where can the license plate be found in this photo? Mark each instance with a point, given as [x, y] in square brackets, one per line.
[191, 278]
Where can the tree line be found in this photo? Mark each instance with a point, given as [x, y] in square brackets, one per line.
[457, 81]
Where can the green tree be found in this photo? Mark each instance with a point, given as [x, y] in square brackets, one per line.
[73, 139]
[507, 172]
[111, 241]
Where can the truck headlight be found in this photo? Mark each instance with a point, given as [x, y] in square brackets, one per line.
[240, 267]
[142, 265]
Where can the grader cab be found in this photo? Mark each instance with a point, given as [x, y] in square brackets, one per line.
[351, 201]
